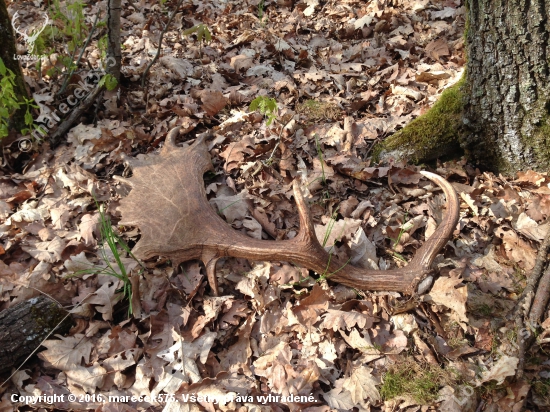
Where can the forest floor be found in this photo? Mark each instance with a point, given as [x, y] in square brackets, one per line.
[344, 75]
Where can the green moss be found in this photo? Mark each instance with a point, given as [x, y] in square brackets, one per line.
[421, 382]
[51, 318]
[542, 388]
[432, 135]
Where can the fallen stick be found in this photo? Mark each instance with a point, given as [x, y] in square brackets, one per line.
[525, 306]
[540, 302]
[74, 116]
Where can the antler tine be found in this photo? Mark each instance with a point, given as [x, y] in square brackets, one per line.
[406, 278]
[170, 141]
[307, 232]
[425, 256]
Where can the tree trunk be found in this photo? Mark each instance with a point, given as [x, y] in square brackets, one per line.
[507, 90]
[24, 326]
[113, 48]
[499, 113]
[7, 53]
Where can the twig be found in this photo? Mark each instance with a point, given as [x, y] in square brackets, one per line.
[69, 121]
[146, 72]
[541, 298]
[523, 306]
[270, 159]
[70, 73]
[533, 280]
[480, 406]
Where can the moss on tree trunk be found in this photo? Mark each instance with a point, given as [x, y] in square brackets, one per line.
[7, 53]
[504, 121]
[434, 134]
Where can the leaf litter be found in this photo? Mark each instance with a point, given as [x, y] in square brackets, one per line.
[344, 75]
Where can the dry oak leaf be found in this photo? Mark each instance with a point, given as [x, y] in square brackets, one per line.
[191, 277]
[444, 292]
[87, 226]
[67, 353]
[49, 251]
[458, 399]
[238, 355]
[276, 367]
[516, 397]
[213, 101]
[311, 307]
[339, 398]
[105, 299]
[505, 366]
[81, 380]
[241, 62]
[517, 249]
[235, 309]
[532, 177]
[182, 366]
[235, 152]
[437, 48]
[362, 385]
[337, 319]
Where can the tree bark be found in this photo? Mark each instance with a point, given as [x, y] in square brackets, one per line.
[24, 327]
[499, 114]
[507, 89]
[114, 54]
[7, 53]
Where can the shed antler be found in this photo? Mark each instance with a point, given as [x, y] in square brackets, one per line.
[168, 203]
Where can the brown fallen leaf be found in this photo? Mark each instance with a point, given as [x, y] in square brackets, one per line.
[437, 48]
[212, 101]
[517, 249]
[337, 319]
[68, 352]
[311, 307]
[236, 151]
[362, 385]
[532, 177]
[444, 292]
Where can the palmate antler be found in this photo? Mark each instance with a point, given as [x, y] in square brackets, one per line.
[168, 203]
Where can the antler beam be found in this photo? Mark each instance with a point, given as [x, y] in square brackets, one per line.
[168, 203]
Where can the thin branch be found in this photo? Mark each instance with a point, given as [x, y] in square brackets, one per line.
[70, 73]
[524, 303]
[523, 306]
[73, 117]
[146, 72]
[541, 298]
